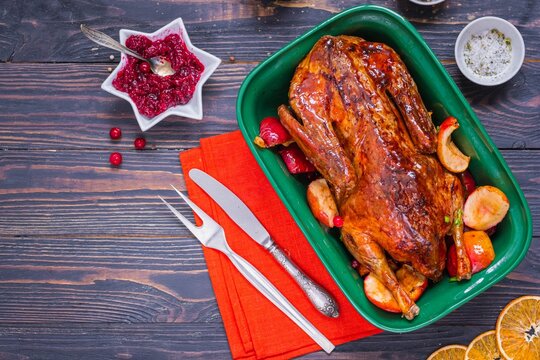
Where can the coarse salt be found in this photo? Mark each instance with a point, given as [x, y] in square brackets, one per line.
[488, 53]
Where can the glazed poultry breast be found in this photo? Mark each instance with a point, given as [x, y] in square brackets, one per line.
[356, 113]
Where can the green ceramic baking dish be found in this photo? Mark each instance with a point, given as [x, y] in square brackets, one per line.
[266, 87]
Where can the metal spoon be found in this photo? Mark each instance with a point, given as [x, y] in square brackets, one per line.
[158, 64]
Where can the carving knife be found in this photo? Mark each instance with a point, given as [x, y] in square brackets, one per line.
[246, 220]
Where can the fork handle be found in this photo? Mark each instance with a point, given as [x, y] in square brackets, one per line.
[319, 297]
[261, 283]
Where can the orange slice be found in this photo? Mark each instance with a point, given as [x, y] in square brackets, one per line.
[518, 329]
[483, 347]
[450, 352]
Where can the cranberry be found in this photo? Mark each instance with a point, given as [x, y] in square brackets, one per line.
[338, 221]
[153, 94]
[355, 264]
[139, 143]
[115, 133]
[115, 159]
[178, 82]
[144, 67]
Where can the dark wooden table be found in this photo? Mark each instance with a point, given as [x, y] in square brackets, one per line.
[91, 266]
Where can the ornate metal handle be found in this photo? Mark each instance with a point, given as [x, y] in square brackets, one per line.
[105, 40]
[272, 293]
[320, 298]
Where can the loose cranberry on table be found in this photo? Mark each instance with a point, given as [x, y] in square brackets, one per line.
[139, 143]
[151, 93]
[115, 159]
[115, 133]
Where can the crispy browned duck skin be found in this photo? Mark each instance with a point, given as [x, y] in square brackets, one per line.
[392, 196]
[389, 73]
[321, 144]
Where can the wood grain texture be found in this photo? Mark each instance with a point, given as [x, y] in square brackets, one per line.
[99, 312]
[61, 106]
[76, 193]
[250, 30]
[201, 341]
[92, 266]
[78, 289]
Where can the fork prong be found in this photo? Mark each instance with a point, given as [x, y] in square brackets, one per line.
[206, 219]
[191, 227]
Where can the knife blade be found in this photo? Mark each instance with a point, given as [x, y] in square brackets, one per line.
[235, 208]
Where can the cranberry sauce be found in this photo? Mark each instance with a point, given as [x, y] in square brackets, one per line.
[153, 94]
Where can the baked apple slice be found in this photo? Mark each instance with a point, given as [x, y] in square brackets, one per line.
[272, 133]
[450, 156]
[479, 250]
[295, 160]
[321, 202]
[412, 282]
[485, 207]
[379, 295]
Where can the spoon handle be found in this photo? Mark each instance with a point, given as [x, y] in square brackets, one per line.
[107, 41]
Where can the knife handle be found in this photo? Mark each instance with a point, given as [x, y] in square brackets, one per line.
[319, 297]
[264, 285]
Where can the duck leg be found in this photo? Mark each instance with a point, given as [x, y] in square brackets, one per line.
[369, 254]
[463, 263]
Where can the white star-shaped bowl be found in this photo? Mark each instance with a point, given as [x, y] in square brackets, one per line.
[193, 109]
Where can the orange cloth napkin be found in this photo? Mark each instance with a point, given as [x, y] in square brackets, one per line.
[256, 329]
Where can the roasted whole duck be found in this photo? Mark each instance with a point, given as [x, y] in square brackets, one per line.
[358, 116]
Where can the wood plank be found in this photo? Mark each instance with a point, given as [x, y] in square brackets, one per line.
[61, 106]
[84, 294]
[82, 287]
[85, 243]
[250, 30]
[92, 266]
[114, 341]
[57, 312]
[77, 194]
[202, 341]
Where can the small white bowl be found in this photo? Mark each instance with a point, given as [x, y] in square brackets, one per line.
[478, 26]
[427, 2]
[193, 109]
